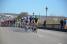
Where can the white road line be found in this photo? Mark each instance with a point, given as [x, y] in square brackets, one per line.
[59, 43]
[40, 35]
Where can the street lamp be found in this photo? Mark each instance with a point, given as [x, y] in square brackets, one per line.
[46, 11]
[33, 13]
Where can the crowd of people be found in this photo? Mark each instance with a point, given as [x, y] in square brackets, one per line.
[29, 23]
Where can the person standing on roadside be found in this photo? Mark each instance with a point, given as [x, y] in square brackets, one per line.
[64, 23]
[61, 24]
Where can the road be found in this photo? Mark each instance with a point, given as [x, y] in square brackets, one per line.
[10, 35]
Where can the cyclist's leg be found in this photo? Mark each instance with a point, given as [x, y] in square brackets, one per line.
[35, 28]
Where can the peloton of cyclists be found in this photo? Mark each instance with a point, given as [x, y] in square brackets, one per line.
[30, 23]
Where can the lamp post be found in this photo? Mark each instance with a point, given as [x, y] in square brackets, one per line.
[45, 22]
[33, 13]
[46, 11]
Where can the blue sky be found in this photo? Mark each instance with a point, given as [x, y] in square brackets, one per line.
[55, 7]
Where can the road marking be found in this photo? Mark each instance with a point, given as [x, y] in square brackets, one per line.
[59, 43]
[41, 36]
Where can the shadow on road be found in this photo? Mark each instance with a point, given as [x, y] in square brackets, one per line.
[55, 29]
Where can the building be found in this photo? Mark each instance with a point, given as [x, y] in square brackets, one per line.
[51, 21]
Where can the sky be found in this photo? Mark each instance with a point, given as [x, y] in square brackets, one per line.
[55, 7]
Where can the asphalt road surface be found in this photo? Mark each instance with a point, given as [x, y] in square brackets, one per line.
[13, 35]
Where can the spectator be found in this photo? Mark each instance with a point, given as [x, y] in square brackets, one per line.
[61, 24]
[44, 23]
[64, 23]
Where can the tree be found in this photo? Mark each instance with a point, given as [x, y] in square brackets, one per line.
[23, 14]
